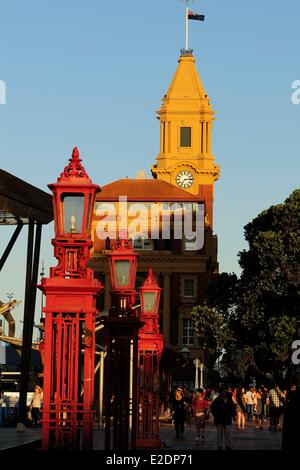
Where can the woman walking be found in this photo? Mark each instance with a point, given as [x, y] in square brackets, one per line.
[200, 406]
[36, 404]
[240, 408]
[259, 410]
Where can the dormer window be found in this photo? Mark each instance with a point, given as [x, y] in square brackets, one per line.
[185, 136]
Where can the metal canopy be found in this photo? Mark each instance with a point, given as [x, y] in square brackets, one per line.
[21, 202]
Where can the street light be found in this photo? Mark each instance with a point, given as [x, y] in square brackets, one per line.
[150, 349]
[150, 296]
[122, 267]
[70, 314]
[73, 197]
[122, 326]
[185, 352]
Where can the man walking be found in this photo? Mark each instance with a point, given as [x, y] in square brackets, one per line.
[223, 410]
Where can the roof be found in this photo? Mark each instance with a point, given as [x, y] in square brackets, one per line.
[186, 83]
[144, 190]
[186, 92]
[22, 201]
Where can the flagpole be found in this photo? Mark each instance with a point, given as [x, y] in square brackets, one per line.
[186, 28]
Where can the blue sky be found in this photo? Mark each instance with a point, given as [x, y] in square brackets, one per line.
[92, 74]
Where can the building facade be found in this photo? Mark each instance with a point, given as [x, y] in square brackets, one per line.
[153, 211]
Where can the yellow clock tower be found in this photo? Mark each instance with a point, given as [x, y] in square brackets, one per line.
[185, 158]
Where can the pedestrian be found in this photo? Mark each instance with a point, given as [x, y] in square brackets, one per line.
[223, 410]
[264, 401]
[240, 408]
[36, 405]
[179, 413]
[200, 406]
[276, 407]
[2, 410]
[258, 410]
[283, 403]
[188, 399]
[291, 420]
[249, 396]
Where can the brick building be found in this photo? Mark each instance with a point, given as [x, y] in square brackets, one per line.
[182, 186]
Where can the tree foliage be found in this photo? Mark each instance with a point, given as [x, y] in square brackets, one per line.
[252, 320]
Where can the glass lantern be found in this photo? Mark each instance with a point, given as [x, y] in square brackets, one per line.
[150, 295]
[122, 266]
[73, 210]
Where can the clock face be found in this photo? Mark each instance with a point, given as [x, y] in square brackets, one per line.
[184, 179]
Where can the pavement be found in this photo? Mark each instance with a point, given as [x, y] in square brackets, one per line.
[10, 438]
[251, 439]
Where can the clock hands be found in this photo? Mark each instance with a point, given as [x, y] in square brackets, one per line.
[184, 179]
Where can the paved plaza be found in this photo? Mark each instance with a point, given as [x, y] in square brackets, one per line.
[249, 440]
[10, 438]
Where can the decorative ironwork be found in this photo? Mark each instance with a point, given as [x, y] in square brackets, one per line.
[186, 52]
[74, 169]
[70, 312]
[150, 347]
[150, 280]
[122, 244]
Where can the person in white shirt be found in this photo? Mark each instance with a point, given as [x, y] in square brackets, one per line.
[249, 399]
[36, 404]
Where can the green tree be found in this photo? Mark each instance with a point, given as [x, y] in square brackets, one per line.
[252, 321]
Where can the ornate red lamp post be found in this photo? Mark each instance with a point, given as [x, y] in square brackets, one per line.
[122, 347]
[150, 346]
[70, 313]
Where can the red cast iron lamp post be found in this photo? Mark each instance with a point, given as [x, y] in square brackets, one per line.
[122, 327]
[70, 313]
[150, 346]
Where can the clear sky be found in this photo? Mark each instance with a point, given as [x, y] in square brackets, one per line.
[92, 74]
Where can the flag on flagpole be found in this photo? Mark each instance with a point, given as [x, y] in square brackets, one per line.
[195, 16]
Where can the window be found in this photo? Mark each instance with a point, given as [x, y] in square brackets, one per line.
[187, 331]
[190, 245]
[140, 243]
[185, 137]
[189, 288]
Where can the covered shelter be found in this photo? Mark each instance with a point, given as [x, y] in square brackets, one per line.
[22, 204]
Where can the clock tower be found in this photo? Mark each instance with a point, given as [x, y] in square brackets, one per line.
[185, 159]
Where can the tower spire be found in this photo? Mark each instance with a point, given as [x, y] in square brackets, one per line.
[185, 158]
